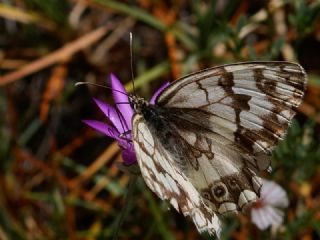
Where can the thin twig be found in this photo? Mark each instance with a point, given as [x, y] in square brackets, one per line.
[59, 55]
[63, 181]
[102, 50]
[126, 207]
[97, 164]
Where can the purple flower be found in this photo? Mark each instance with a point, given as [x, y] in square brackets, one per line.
[120, 117]
[266, 211]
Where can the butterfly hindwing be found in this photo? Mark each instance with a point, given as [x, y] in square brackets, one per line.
[165, 177]
[217, 168]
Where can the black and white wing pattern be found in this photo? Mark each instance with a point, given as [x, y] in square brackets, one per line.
[164, 177]
[249, 104]
[203, 143]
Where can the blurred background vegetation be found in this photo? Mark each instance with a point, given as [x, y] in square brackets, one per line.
[59, 179]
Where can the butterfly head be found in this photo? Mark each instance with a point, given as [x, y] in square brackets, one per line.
[137, 103]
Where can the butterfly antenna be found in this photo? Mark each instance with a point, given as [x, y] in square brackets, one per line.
[131, 65]
[98, 85]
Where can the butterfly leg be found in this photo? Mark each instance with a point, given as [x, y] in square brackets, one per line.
[125, 135]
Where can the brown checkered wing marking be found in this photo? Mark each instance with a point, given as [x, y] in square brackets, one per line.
[164, 177]
[214, 165]
[249, 105]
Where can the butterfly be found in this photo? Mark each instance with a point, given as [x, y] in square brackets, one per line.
[203, 143]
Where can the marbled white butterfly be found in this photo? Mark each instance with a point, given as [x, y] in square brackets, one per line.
[203, 143]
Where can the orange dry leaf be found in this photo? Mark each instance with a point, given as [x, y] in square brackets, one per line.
[50, 171]
[54, 88]
[242, 234]
[307, 236]
[124, 180]
[241, 10]
[172, 52]
[259, 47]
[309, 111]
[70, 221]
[313, 96]
[96, 165]
[77, 142]
[169, 16]
[59, 55]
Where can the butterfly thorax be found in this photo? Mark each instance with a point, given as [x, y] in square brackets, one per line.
[153, 114]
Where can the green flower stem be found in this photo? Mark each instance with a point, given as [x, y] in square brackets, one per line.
[126, 207]
[158, 215]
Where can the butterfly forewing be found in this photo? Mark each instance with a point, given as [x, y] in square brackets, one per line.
[250, 104]
[164, 177]
[210, 133]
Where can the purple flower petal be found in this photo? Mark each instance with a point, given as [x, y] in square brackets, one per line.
[102, 127]
[120, 116]
[156, 94]
[108, 130]
[129, 157]
[115, 117]
[125, 109]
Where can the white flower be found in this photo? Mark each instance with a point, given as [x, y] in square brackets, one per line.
[265, 212]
